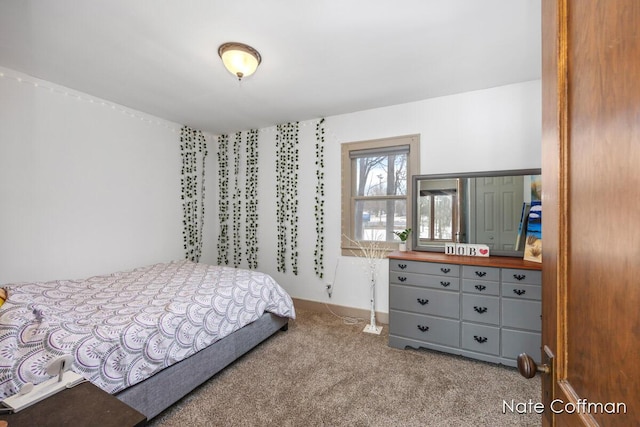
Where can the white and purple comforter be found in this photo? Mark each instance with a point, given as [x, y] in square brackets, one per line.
[124, 327]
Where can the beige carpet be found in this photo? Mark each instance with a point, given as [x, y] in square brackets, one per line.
[323, 372]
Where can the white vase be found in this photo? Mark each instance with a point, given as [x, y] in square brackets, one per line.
[402, 247]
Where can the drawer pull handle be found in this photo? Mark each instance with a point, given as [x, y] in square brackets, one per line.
[445, 270]
[402, 279]
[480, 309]
[402, 266]
[481, 287]
[445, 284]
[481, 273]
[423, 328]
[480, 339]
[519, 276]
[519, 291]
[423, 301]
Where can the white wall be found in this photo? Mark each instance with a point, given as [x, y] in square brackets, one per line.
[86, 187]
[491, 129]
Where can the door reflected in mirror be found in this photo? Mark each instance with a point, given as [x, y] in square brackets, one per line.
[484, 208]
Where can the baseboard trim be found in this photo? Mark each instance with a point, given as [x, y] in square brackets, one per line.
[341, 310]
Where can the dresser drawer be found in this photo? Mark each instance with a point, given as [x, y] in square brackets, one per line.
[520, 291]
[479, 308]
[473, 286]
[439, 269]
[425, 328]
[521, 314]
[425, 301]
[480, 338]
[481, 273]
[516, 342]
[531, 277]
[425, 280]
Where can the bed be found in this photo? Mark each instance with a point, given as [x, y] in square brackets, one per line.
[149, 336]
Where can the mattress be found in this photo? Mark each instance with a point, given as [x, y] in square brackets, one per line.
[124, 327]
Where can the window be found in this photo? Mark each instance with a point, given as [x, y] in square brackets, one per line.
[437, 203]
[376, 189]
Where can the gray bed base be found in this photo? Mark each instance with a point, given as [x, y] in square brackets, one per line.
[157, 393]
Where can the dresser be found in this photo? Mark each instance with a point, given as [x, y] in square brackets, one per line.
[483, 308]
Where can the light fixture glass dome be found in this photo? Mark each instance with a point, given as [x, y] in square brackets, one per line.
[240, 59]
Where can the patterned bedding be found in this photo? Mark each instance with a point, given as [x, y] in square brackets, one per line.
[124, 327]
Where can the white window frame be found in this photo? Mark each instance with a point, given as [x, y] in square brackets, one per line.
[349, 178]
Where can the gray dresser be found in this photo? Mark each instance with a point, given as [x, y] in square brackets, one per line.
[484, 308]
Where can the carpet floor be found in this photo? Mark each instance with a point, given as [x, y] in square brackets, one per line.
[324, 371]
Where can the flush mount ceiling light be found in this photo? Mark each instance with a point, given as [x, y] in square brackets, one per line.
[241, 60]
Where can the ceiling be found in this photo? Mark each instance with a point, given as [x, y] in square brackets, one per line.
[319, 58]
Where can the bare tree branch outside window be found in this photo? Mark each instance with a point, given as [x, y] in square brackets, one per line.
[381, 188]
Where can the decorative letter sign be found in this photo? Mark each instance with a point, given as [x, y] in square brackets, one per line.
[466, 249]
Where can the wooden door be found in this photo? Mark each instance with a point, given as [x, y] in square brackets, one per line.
[591, 203]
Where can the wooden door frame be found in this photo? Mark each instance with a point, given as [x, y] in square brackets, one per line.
[554, 105]
[555, 178]
[580, 85]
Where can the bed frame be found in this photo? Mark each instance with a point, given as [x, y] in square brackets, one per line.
[157, 393]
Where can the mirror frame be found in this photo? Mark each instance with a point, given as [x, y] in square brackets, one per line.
[415, 246]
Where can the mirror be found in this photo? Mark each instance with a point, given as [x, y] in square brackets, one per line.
[484, 208]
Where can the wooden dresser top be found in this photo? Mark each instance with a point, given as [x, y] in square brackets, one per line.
[492, 261]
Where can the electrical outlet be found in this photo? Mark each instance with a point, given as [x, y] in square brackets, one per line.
[329, 288]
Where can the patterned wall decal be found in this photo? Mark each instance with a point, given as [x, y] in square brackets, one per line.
[193, 149]
[287, 159]
[223, 199]
[318, 253]
[237, 202]
[239, 240]
[251, 195]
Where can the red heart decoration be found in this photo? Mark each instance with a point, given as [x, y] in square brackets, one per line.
[484, 251]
